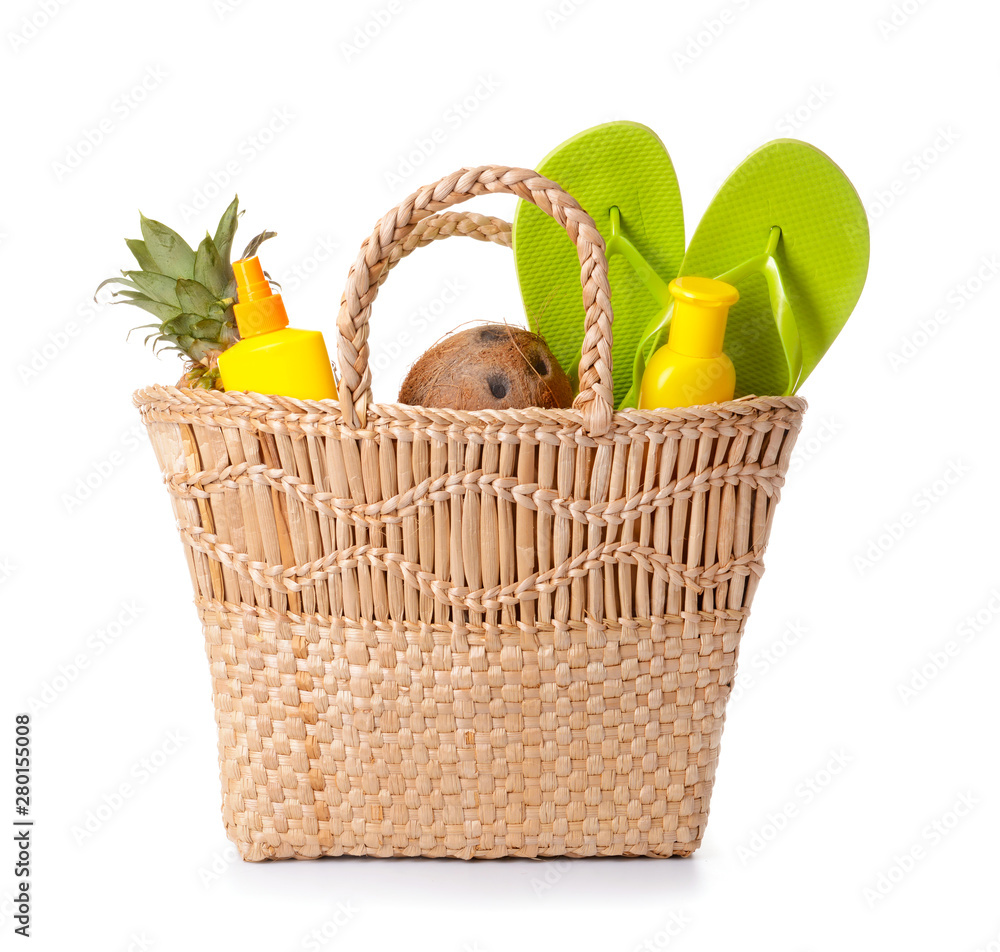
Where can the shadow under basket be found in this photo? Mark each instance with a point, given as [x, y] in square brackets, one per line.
[469, 634]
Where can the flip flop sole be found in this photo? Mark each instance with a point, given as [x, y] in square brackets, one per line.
[622, 164]
[823, 256]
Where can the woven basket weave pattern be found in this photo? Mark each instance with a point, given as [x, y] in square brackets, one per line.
[469, 634]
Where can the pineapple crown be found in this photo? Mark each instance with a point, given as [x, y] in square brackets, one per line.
[190, 292]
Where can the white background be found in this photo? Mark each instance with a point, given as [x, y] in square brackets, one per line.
[846, 612]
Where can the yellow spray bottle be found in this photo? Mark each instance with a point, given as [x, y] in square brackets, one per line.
[272, 357]
[691, 369]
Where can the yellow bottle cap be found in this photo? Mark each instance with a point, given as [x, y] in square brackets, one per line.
[259, 310]
[698, 324]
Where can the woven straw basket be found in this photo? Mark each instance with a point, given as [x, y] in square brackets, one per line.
[469, 634]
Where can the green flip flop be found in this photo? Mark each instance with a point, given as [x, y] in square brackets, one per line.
[623, 177]
[789, 229]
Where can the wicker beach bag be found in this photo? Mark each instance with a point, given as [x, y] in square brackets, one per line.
[469, 634]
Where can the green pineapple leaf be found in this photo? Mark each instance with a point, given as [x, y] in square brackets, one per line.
[158, 309]
[138, 248]
[180, 326]
[197, 348]
[251, 249]
[161, 344]
[210, 269]
[206, 329]
[158, 286]
[195, 298]
[125, 282]
[226, 229]
[171, 253]
[204, 379]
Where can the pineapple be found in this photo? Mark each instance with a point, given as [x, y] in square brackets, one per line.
[190, 293]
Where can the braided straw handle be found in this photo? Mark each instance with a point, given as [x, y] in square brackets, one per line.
[392, 239]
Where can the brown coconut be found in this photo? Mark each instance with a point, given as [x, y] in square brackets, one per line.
[488, 367]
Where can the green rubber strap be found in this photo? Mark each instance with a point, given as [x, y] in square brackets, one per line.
[788, 329]
[765, 264]
[781, 307]
[618, 244]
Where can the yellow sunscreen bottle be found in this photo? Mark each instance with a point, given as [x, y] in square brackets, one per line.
[691, 369]
[272, 357]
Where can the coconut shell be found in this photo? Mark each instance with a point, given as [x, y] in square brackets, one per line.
[489, 367]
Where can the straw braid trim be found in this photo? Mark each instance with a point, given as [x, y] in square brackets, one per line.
[270, 414]
[268, 620]
[203, 485]
[291, 578]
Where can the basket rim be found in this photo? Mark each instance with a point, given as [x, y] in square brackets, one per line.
[181, 399]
